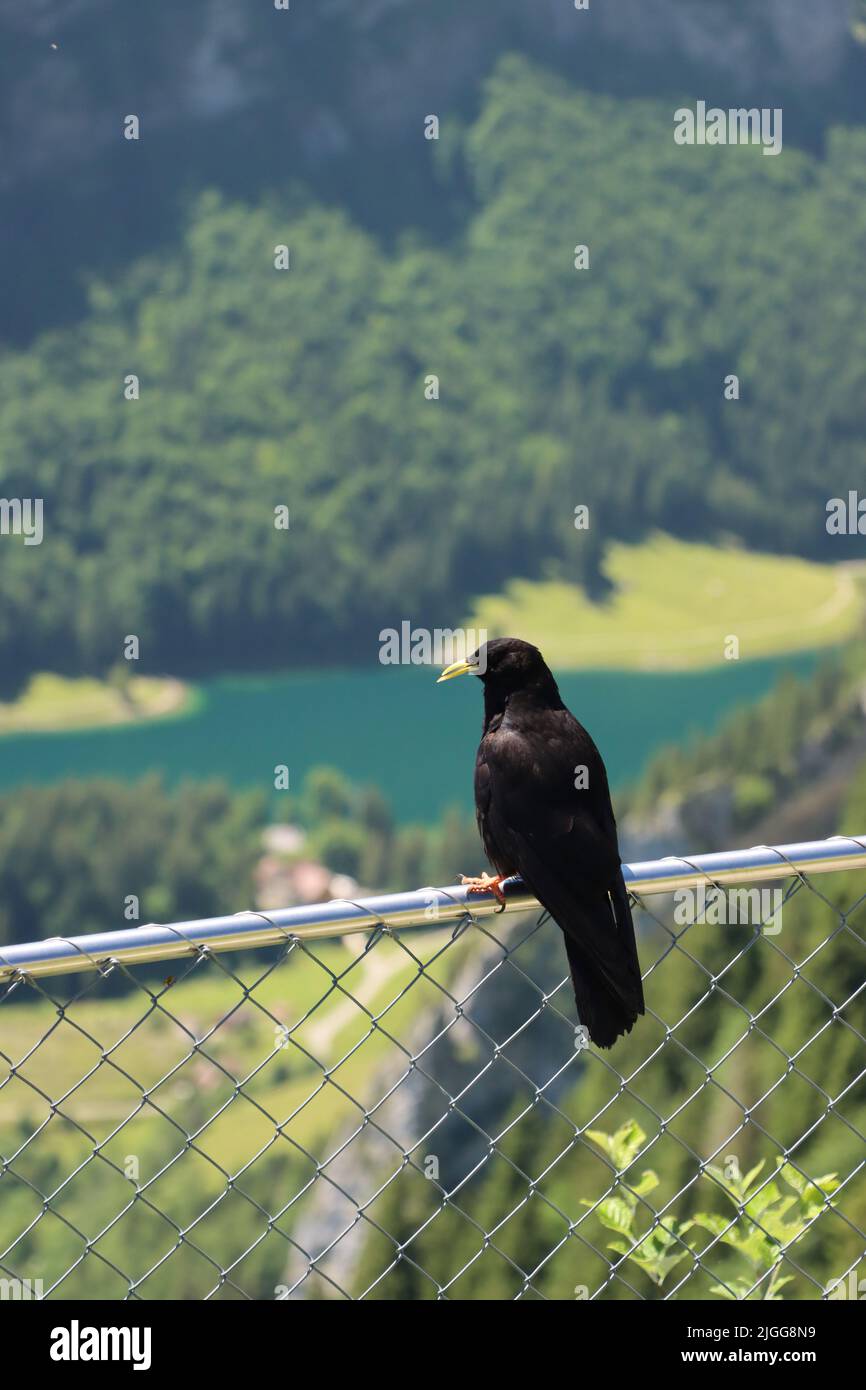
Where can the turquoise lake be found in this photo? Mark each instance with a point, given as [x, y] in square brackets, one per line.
[392, 726]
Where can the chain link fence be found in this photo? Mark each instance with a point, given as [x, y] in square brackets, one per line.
[394, 1099]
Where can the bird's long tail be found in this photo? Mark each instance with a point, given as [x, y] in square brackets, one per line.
[608, 993]
[599, 938]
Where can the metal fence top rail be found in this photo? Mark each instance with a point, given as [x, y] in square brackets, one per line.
[424, 907]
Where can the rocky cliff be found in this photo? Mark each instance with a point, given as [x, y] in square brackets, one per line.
[337, 69]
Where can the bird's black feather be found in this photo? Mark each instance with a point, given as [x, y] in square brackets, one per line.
[544, 812]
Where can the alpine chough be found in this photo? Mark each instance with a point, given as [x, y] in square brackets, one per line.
[543, 808]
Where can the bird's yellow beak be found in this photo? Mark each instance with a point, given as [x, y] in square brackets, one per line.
[457, 668]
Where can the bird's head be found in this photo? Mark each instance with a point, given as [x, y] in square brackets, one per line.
[505, 664]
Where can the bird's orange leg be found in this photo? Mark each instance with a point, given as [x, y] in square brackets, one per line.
[486, 884]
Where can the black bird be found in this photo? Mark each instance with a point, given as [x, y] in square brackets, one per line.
[543, 809]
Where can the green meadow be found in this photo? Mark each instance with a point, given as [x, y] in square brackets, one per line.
[673, 604]
[50, 701]
[128, 1113]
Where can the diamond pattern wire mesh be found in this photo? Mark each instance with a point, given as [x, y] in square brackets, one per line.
[418, 1117]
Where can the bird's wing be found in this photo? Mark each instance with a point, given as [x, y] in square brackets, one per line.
[550, 784]
[561, 837]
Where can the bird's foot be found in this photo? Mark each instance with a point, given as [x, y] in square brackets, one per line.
[486, 884]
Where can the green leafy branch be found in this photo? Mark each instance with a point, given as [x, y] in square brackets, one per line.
[771, 1220]
[661, 1248]
[771, 1216]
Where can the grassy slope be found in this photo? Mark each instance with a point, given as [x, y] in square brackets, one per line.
[290, 1084]
[675, 603]
[101, 1055]
[54, 702]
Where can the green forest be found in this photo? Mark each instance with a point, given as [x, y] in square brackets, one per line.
[71, 856]
[306, 389]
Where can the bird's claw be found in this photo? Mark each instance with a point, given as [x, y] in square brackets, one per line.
[486, 884]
